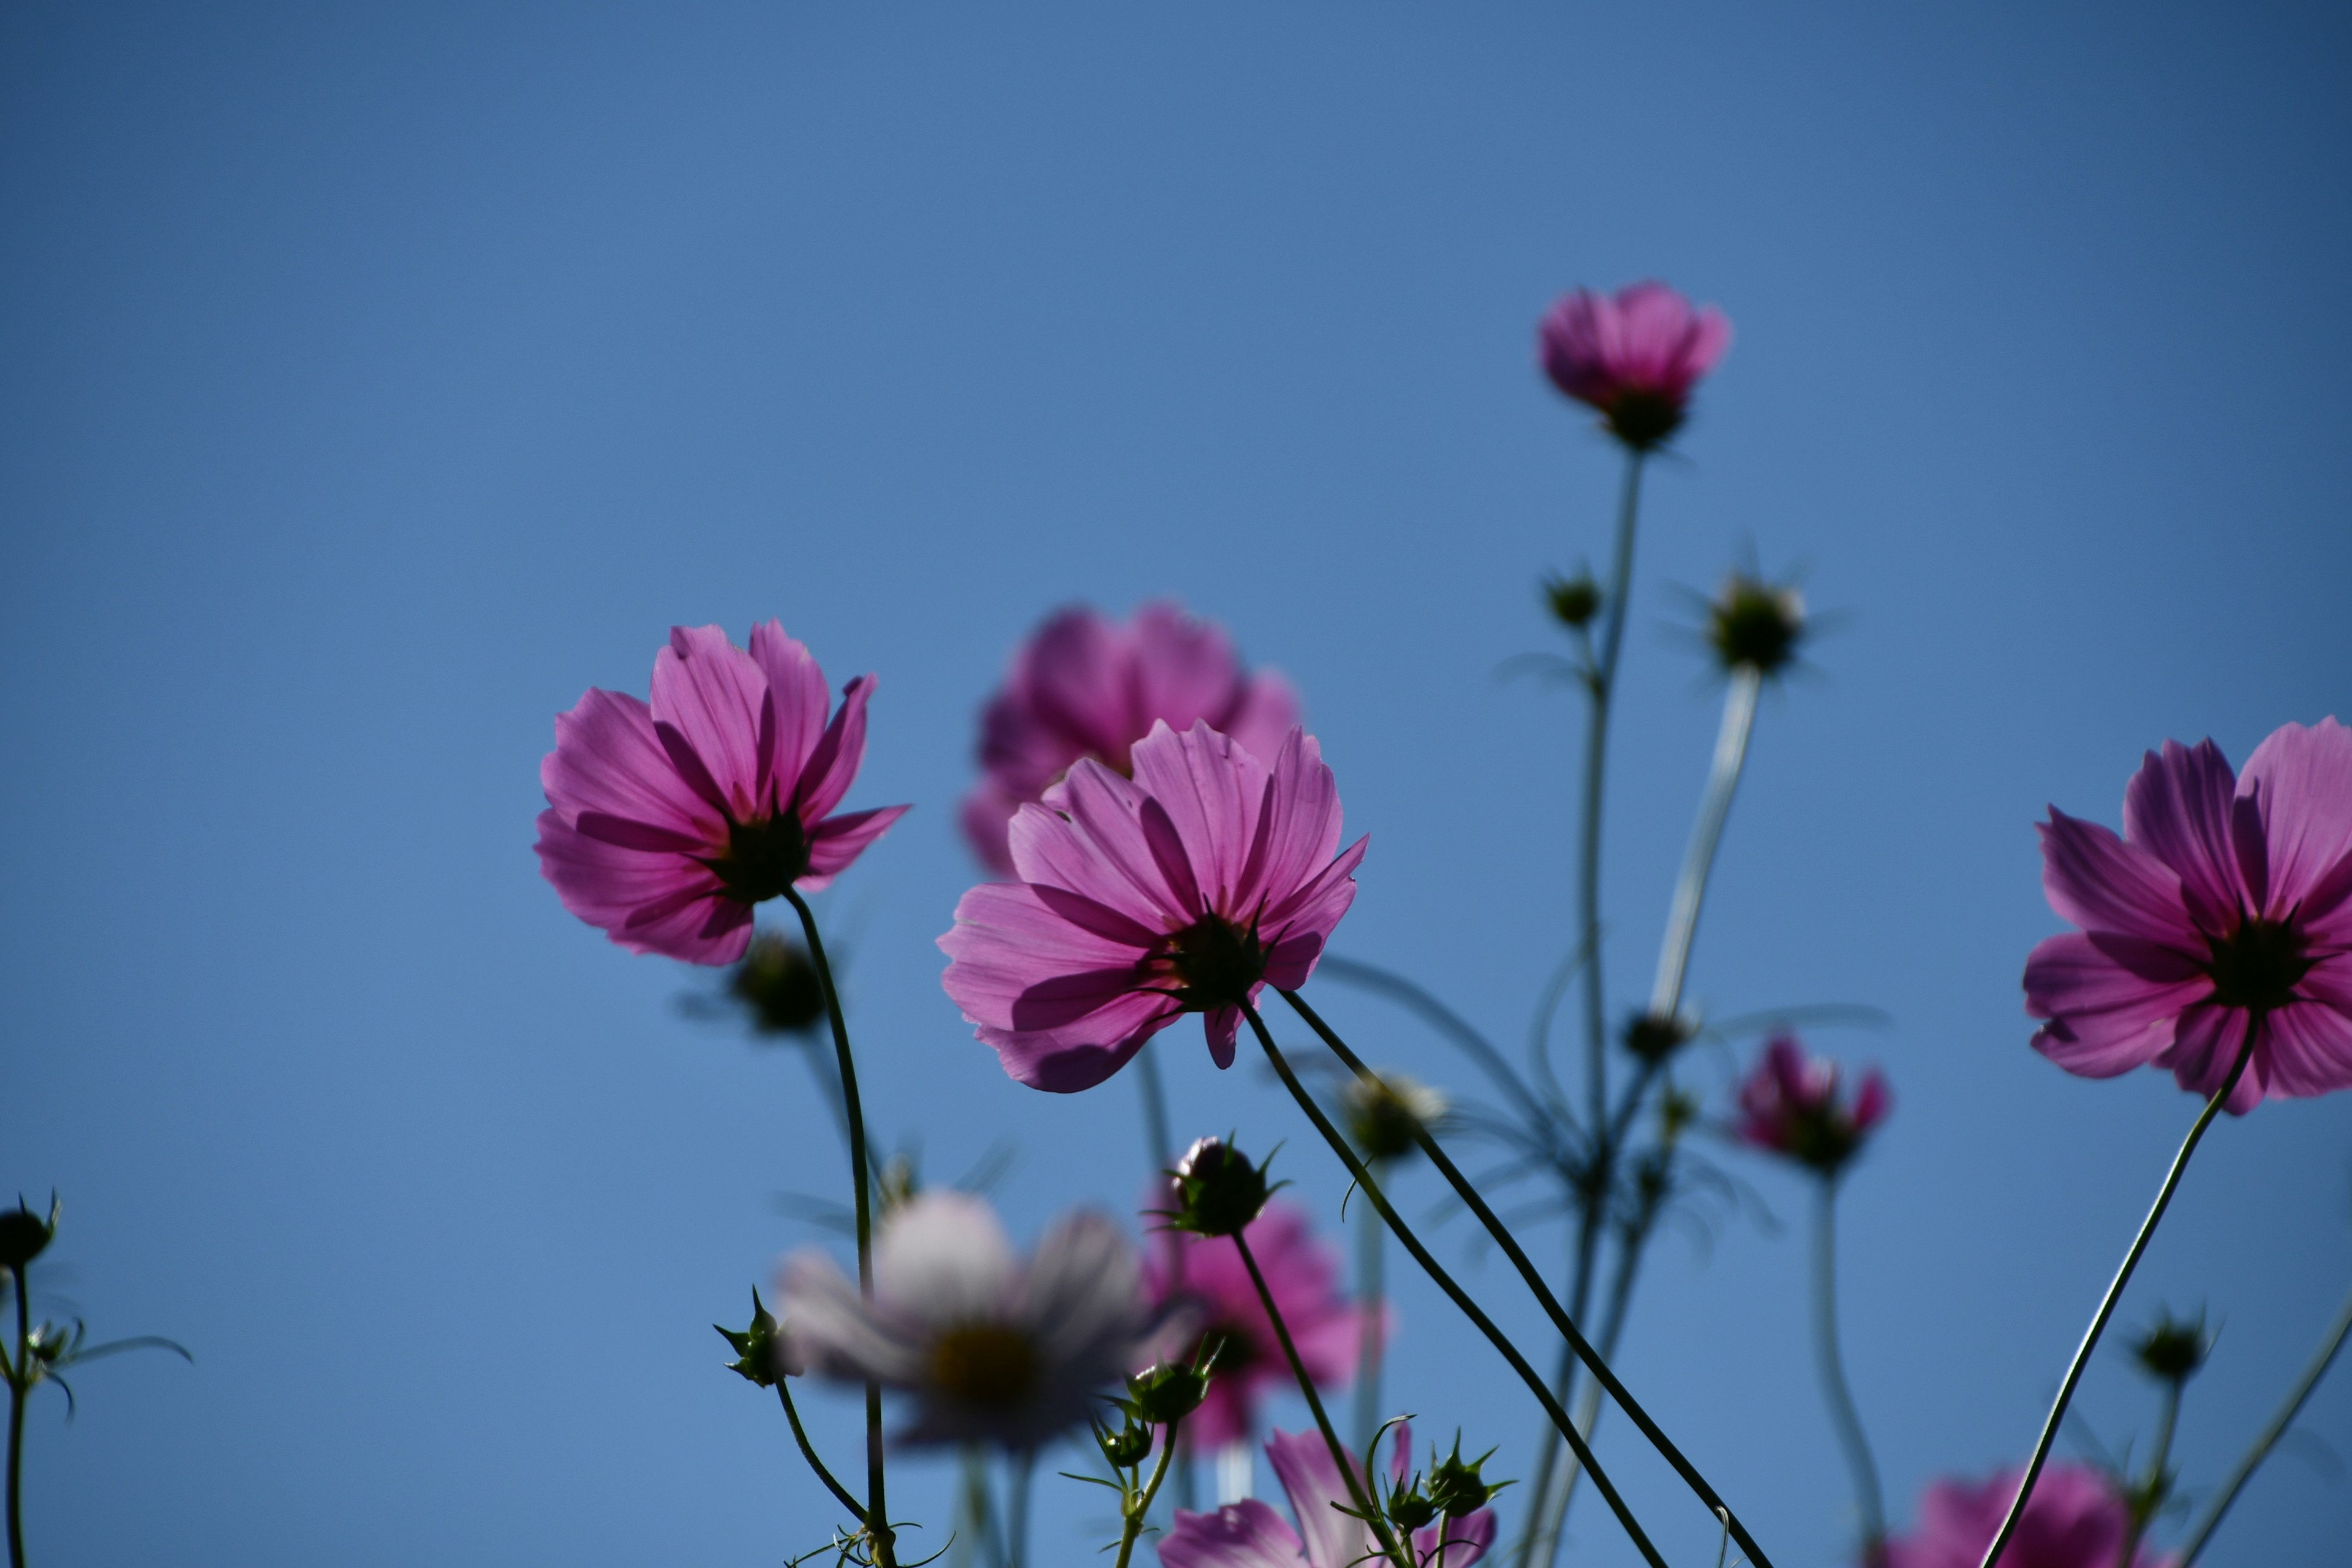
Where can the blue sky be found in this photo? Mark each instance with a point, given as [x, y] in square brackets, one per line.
[372, 380]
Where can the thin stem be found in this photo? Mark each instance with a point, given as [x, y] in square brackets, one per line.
[2155, 1486]
[2317, 1368]
[1347, 1467]
[2115, 1290]
[1141, 1509]
[1445, 1282]
[1596, 773]
[20, 1369]
[1370, 1288]
[1835, 1392]
[1561, 1320]
[1715, 805]
[808, 1452]
[1016, 1511]
[1161, 1143]
[878, 1513]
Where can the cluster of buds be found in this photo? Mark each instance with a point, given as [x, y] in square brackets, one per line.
[1159, 1395]
[1453, 1490]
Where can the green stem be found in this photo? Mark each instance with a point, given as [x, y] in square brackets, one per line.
[2155, 1486]
[878, 1513]
[1707, 833]
[2115, 1290]
[1141, 1509]
[808, 1452]
[2317, 1369]
[20, 1368]
[1370, 1290]
[1596, 772]
[1445, 1282]
[1162, 1144]
[1835, 1392]
[1354, 1482]
[1561, 1321]
[1016, 1511]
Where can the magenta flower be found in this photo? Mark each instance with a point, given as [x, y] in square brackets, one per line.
[1081, 687]
[1187, 889]
[1636, 358]
[1788, 1104]
[1249, 1534]
[666, 822]
[1200, 1284]
[2074, 1519]
[2225, 897]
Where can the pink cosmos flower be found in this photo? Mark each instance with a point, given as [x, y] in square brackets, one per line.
[1081, 687]
[2074, 1519]
[1249, 1534]
[1202, 1286]
[991, 1347]
[1788, 1104]
[1636, 358]
[666, 822]
[2225, 898]
[1187, 889]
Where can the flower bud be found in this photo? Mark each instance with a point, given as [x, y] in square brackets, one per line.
[1573, 601]
[1169, 1391]
[1218, 1191]
[778, 986]
[1755, 624]
[1408, 1509]
[1456, 1486]
[1125, 1448]
[1653, 1037]
[23, 1235]
[763, 1352]
[2173, 1350]
[1385, 1113]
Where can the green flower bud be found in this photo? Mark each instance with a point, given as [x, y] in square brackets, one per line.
[1573, 601]
[2173, 1350]
[1169, 1391]
[763, 1352]
[1383, 1115]
[1218, 1191]
[1127, 1447]
[1456, 1486]
[1755, 624]
[777, 985]
[23, 1235]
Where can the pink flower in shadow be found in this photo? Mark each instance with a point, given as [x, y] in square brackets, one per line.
[1203, 1288]
[1083, 687]
[668, 821]
[1789, 1105]
[1187, 889]
[1249, 1534]
[1635, 357]
[2074, 1519]
[2225, 897]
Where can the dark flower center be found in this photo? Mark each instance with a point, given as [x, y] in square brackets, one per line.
[1642, 416]
[1824, 1138]
[1215, 965]
[764, 857]
[985, 1364]
[2257, 965]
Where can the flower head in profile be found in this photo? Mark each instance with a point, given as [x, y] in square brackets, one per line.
[1085, 687]
[1250, 1534]
[1790, 1104]
[2226, 898]
[1185, 889]
[991, 1347]
[668, 821]
[1635, 357]
[1202, 1287]
[2075, 1519]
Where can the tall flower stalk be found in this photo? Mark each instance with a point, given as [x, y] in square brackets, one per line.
[2316, 1368]
[1829, 1360]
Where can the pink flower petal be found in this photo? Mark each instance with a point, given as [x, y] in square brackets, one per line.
[614, 888]
[2178, 808]
[2300, 781]
[1005, 941]
[1246, 1534]
[838, 840]
[711, 694]
[833, 764]
[1311, 1479]
[1211, 789]
[2104, 1020]
[2095, 880]
[1466, 1539]
[606, 759]
[1222, 1025]
[1088, 836]
[2205, 1046]
[801, 698]
[2307, 1049]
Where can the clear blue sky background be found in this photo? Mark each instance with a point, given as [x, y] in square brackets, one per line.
[374, 380]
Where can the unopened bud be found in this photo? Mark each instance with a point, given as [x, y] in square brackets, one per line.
[1218, 1191]
[778, 986]
[1456, 1486]
[2173, 1349]
[1573, 601]
[1386, 1111]
[1167, 1392]
[23, 1235]
[1654, 1036]
[1127, 1447]
[1755, 624]
[763, 1352]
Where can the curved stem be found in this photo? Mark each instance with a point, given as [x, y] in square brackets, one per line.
[1596, 773]
[1561, 1320]
[878, 1513]
[808, 1452]
[1545, 1531]
[1835, 1392]
[2332, 1341]
[1141, 1509]
[1347, 1467]
[1445, 1282]
[1707, 833]
[20, 1368]
[1370, 1326]
[2115, 1290]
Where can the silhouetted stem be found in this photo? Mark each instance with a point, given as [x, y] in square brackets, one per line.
[1596, 774]
[1545, 1531]
[808, 1452]
[1445, 1282]
[1369, 1288]
[1561, 1320]
[1832, 1362]
[2116, 1291]
[1016, 1511]
[1354, 1482]
[878, 1513]
[1132, 1527]
[2332, 1341]
[20, 1369]
[2155, 1484]
[1714, 807]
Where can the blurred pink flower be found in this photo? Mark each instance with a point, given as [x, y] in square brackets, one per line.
[993, 1347]
[1249, 1534]
[2225, 897]
[1635, 357]
[1788, 1104]
[2075, 1519]
[666, 822]
[1082, 686]
[1203, 1288]
[1186, 888]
